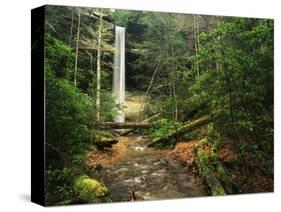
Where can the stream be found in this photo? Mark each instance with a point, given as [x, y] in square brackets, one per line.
[148, 172]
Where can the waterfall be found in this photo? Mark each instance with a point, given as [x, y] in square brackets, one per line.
[119, 71]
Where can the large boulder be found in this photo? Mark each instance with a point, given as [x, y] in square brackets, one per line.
[90, 190]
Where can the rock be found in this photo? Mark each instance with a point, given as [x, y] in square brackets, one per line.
[162, 171]
[90, 190]
[138, 148]
[134, 197]
[144, 171]
[97, 168]
[121, 170]
[101, 142]
[157, 162]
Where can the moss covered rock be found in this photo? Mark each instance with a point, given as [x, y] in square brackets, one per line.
[90, 190]
[101, 142]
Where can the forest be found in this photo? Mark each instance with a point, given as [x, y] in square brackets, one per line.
[196, 109]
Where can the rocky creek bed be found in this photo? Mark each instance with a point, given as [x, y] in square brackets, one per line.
[132, 169]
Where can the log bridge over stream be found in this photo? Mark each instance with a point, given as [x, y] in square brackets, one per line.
[186, 128]
[125, 125]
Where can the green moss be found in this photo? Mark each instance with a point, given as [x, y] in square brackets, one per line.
[90, 190]
[102, 141]
[218, 191]
[158, 142]
[208, 169]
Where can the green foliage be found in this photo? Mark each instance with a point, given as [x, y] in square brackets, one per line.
[161, 52]
[236, 65]
[62, 175]
[58, 56]
[68, 119]
[68, 114]
[109, 107]
[123, 17]
[70, 110]
[166, 126]
[59, 184]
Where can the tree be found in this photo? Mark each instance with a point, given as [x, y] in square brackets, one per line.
[237, 75]
[196, 40]
[102, 36]
[77, 47]
[161, 54]
[98, 65]
[70, 41]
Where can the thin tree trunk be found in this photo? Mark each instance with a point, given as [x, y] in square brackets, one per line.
[77, 46]
[198, 32]
[91, 62]
[195, 44]
[70, 42]
[152, 79]
[93, 94]
[175, 101]
[71, 28]
[99, 68]
[92, 69]
[174, 88]
[148, 89]
[198, 44]
[218, 67]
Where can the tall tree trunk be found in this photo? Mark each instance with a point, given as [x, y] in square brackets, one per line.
[99, 67]
[174, 88]
[77, 47]
[70, 42]
[92, 69]
[195, 30]
[198, 32]
[71, 27]
[198, 44]
[93, 72]
[218, 65]
[175, 99]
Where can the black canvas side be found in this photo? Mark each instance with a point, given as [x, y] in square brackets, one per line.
[37, 105]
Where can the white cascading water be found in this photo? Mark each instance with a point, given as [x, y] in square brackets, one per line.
[119, 71]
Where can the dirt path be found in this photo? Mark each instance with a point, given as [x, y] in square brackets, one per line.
[134, 105]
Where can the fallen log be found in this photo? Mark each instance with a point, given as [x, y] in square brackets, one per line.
[210, 178]
[205, 170]
[124, 125]
[172, 136]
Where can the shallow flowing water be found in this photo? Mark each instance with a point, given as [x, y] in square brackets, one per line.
[150, 173]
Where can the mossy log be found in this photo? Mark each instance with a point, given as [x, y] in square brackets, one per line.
[90, 190]
[205, 170]
[170, 138]
[101, 142]
[69, 202]
[210, 178]
[125, 125]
